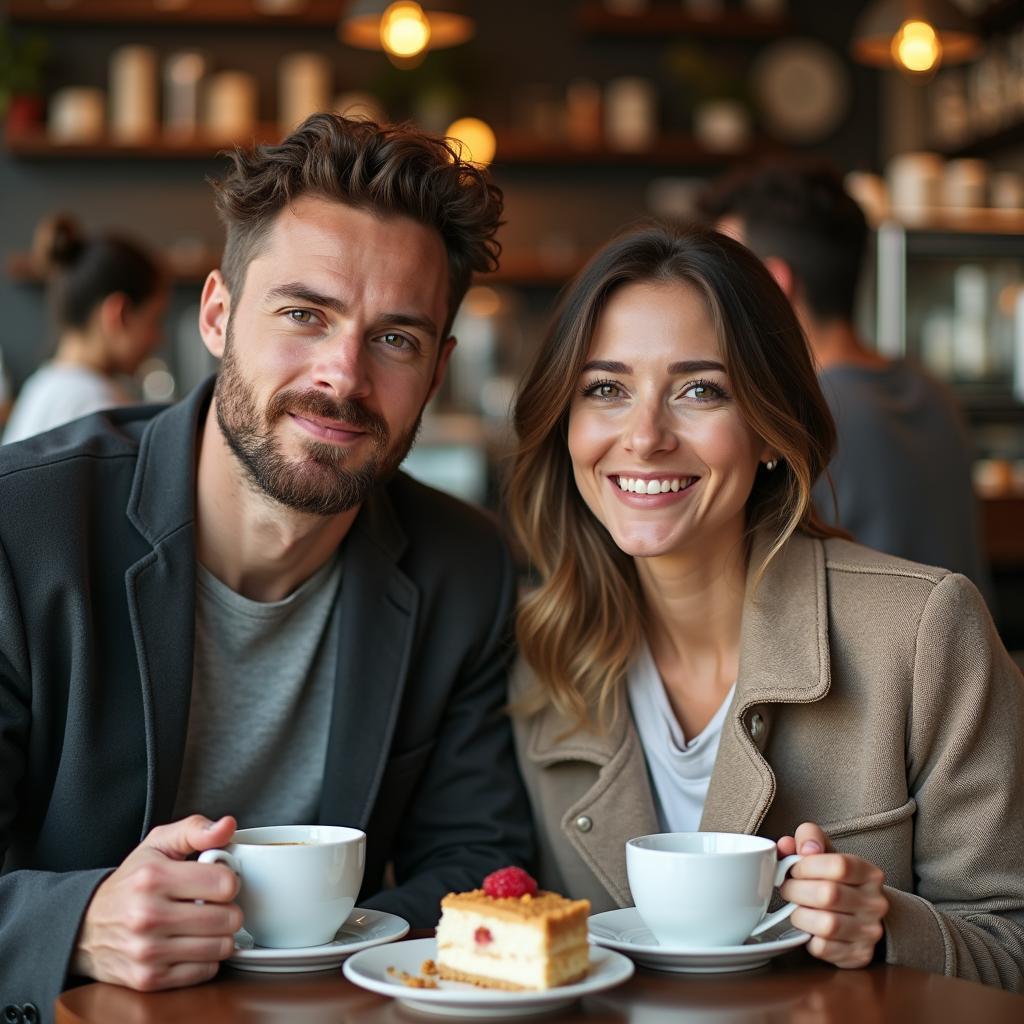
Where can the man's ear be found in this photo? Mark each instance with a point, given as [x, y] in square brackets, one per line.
[214, 313]
[783, 274]
[442, 364]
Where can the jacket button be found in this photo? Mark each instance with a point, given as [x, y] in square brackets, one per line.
[583, 823]
[29, 1013]
[756, 726]
[12, 1015]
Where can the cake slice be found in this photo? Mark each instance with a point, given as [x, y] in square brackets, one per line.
[509, 935]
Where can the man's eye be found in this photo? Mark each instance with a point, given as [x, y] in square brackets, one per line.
[393, 340]
[300, 316]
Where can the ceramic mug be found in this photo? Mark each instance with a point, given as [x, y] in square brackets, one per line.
[703, 889]
[298, 882]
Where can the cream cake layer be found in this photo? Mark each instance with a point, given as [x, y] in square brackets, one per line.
[514, 972]
[471, 929]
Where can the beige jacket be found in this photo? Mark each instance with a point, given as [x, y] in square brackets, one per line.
[874, 698]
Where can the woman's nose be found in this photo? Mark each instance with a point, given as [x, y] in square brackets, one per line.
[649, 431]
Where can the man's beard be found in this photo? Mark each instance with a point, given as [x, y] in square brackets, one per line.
[320, 483]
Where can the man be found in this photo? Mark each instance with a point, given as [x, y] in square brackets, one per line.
[902, 468]
[235, 610]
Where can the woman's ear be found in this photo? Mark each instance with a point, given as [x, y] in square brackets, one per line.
[112, 313]
[214, 313]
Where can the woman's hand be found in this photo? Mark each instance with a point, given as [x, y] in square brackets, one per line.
[839, 897]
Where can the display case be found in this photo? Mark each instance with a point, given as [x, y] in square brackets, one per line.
[953, 300]
[950, 295]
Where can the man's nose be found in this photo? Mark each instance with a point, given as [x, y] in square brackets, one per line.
[341, 365]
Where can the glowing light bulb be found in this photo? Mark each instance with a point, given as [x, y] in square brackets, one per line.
[404, 29]
[916, 47]
[475, 138]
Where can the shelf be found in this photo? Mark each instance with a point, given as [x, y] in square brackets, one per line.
[169, 12]
[660, 20]
[517, 270]
[190, 271]
[983, 145]
[513, 150]
[37, 145]
[678, 150]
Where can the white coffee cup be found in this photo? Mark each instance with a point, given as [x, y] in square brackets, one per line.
[298, 882]
[701, 889]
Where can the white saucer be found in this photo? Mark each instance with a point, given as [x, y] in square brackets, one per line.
[364, 928]
[624, 930]
[455, 999]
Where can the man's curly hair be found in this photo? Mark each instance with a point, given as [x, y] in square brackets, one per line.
[390, 170]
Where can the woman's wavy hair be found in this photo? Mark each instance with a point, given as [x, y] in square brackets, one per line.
[390, 170]
[581, 627]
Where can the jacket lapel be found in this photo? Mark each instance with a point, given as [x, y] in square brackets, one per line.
[617, 807]
[784, 658]
[377, 609]
[160, 589]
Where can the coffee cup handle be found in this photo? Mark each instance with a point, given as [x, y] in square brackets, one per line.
[219, 857]
[782, 914]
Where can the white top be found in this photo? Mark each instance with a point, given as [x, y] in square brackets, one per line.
[680, 771]
[57, 393]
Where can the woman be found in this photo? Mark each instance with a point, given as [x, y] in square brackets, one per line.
[702, 652]
[108, 297]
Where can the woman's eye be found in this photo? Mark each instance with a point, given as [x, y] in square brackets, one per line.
[603, 389]
[703, 391]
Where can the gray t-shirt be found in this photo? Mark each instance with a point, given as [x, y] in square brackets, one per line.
[262, 688]
[902, 468]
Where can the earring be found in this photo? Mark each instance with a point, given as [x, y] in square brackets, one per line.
[771, 464]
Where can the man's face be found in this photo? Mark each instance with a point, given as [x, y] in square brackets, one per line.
[331, 351]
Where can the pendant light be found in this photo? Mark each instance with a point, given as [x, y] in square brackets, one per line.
[914, 36]
[405, 29]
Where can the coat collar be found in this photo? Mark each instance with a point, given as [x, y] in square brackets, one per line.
[160, 590]
[784, 652]
[784, 658]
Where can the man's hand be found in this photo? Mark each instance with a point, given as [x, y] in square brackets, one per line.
[144, 928]
[840, 898]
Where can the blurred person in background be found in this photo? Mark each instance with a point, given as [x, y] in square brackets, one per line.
[901, 475]
[108, 296]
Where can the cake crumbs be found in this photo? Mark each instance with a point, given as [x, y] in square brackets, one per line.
[429, 968]
[413, 980]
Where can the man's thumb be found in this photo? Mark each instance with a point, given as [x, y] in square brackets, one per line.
[180, 839]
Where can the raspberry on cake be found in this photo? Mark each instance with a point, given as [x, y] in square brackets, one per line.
[509, 935]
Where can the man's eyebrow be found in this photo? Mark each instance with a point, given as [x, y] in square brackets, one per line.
[296, 292]
[301, 293]
[409, 320]
[687, 366]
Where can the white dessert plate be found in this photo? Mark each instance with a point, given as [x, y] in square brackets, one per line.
[364, 928]
[624, 930]
[369, 969]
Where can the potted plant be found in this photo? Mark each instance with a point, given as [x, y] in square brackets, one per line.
[22, 67]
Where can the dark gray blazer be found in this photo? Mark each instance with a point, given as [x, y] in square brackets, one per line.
[97, 579]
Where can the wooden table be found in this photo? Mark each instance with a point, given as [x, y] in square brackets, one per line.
[794, 989]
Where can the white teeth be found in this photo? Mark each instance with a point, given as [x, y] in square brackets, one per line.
[635, 485]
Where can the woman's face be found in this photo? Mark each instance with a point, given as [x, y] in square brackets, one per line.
[660, 450]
